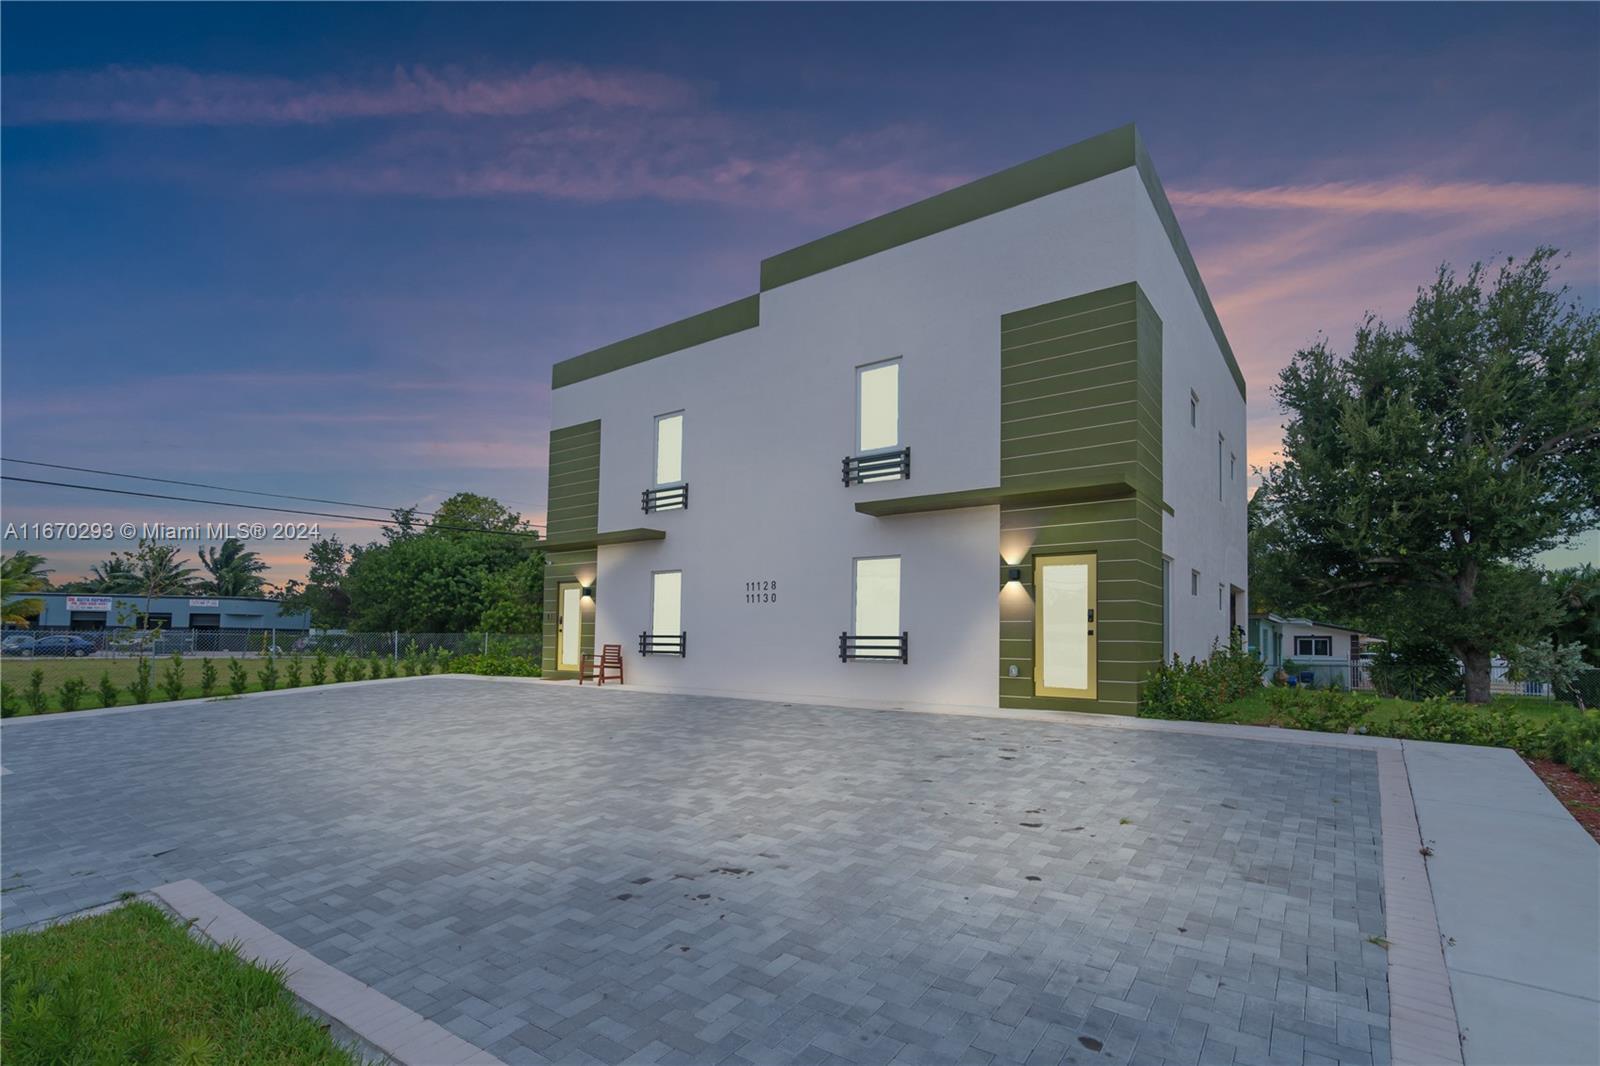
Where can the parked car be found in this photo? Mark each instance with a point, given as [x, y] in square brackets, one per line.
[17, 644]
[62, 645]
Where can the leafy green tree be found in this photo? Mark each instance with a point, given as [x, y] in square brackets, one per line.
[1577, 594]
[208, 677]
[323, 592]
[1420, 469]
[22, 573]
[71, 692]
[139, 688]
[157, 570]
[1546, 662]
[235, 570]
[238, 677]
[108, 577]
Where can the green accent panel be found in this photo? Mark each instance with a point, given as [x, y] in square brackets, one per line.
[664, 340]
[1074, 165]
[575, 482]
[1080, 433]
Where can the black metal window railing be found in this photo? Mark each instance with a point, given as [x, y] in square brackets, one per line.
[856, 648]
[880, 466]
[664, 644]
[675, 498]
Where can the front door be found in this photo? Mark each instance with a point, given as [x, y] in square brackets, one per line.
[570, 641]
[1064, 626]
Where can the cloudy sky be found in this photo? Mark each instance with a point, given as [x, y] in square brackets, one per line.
[334, 250]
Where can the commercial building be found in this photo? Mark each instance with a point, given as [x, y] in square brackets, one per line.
[220, 614]
[986, 449]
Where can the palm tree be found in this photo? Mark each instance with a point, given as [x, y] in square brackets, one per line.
[21, 574]
[112, 575]
[158, 571]
[233, 569]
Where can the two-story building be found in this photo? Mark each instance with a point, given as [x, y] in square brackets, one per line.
[986, 449]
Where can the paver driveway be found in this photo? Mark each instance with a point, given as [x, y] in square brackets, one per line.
[567, 876]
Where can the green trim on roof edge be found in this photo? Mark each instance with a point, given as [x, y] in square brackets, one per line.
[685, 333]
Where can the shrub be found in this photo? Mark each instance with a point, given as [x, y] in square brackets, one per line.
[139, 690]
[208, 677]
[1328, 710]
[238, 678]
[172, 681]
[496, 664]
[1575, 740]
[10, 702]
[1416, 669]
[1180, 690]
[291, 673]
[1236, 668]
[319, 668]
[109, 693]
[268, 674]
[341, 668]
[71, 692]
[390, 667]
[374, 667]
[34, 696]
[1443, 719]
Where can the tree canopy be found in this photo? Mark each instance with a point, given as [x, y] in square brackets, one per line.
[1421, 470]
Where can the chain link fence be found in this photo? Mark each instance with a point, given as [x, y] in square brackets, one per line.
[56, 642]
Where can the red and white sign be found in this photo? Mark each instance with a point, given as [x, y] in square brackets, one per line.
[88, 603]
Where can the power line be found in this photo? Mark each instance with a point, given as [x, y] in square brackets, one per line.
[205, 485]
[260, 506]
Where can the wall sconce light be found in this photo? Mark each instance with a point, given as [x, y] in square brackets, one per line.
[586, 591]
[1013, 573]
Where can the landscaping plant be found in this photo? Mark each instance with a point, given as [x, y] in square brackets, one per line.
[319, 667]
[172, 681]
[238, 678]
[291, 674]
[71, 692]
[109, 693]
[341, 668]
[374, 667]
[208, 677]
[1575, 740]
[1326, 710]
[1236, 668]
[139, 690]
[37, 701]
[1182, 690]
[10, 703]
[268, 674]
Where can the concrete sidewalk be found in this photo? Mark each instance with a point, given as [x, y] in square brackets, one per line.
[1516, 884]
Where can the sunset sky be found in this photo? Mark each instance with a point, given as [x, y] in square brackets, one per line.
[334, 250]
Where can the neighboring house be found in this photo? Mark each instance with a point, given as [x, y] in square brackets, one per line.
[1326, 651]
[988, 448]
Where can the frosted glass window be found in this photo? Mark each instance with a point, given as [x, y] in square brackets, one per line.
[1065, 655]
[877, 607]
[571, 625]
[669, 449]
[666, 604]
[878, 407]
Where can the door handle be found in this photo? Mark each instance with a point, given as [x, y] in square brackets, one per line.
[1091, 614]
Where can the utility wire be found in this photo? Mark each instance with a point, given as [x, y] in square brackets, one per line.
[204, 485]
[262, 507]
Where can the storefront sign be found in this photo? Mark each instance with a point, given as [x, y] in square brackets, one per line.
[88, 603]
[205, 603]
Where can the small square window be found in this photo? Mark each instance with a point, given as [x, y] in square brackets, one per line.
[1194, 582]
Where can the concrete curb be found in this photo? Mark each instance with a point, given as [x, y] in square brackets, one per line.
[398, 1032]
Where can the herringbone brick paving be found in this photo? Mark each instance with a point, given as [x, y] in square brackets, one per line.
[580, 877]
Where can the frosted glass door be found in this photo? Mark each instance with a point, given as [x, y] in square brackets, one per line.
[1064, 629]
[571, 627]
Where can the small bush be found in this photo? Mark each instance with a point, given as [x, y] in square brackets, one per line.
[34, 695]
[291, 673]
[1575, 740]
[10, 702]
[139, 690]
[1416, 668]
[341, 668]
[208, 677]
[495, 664]
[1328, 710]
[390, 667]
[319, 667]
[268, 674]
[1185, 691]
[238, 677]
[374, 667]
[71, 692]
[172, 681]
[109, 693]
[1447, 721]
[1236, 669]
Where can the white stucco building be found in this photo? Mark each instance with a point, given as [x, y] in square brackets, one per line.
[986, 449]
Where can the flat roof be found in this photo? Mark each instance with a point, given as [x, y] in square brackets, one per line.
[1096, 157]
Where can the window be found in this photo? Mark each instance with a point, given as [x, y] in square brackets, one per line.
[1220, 443]
[1194, 408]
[669, 448]
[1194, 582]
[1313, 646]
[1221, 597]
[877, 597]
[878, 407]
[1233, 466]
[666, 603]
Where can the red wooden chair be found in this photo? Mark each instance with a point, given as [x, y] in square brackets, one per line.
[607, 668]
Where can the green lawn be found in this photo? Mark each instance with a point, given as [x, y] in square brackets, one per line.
[1255, 710]
[132, 985]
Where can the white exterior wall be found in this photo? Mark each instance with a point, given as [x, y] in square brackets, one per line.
[1340, 652]
[1202, 533]
[770, 412]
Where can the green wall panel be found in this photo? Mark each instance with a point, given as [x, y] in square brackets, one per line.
[1081, 392]
[573, 510]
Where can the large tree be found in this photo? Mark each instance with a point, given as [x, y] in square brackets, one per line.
[235, 570]
[22, 573]
[323, 593]
[1423, 468]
